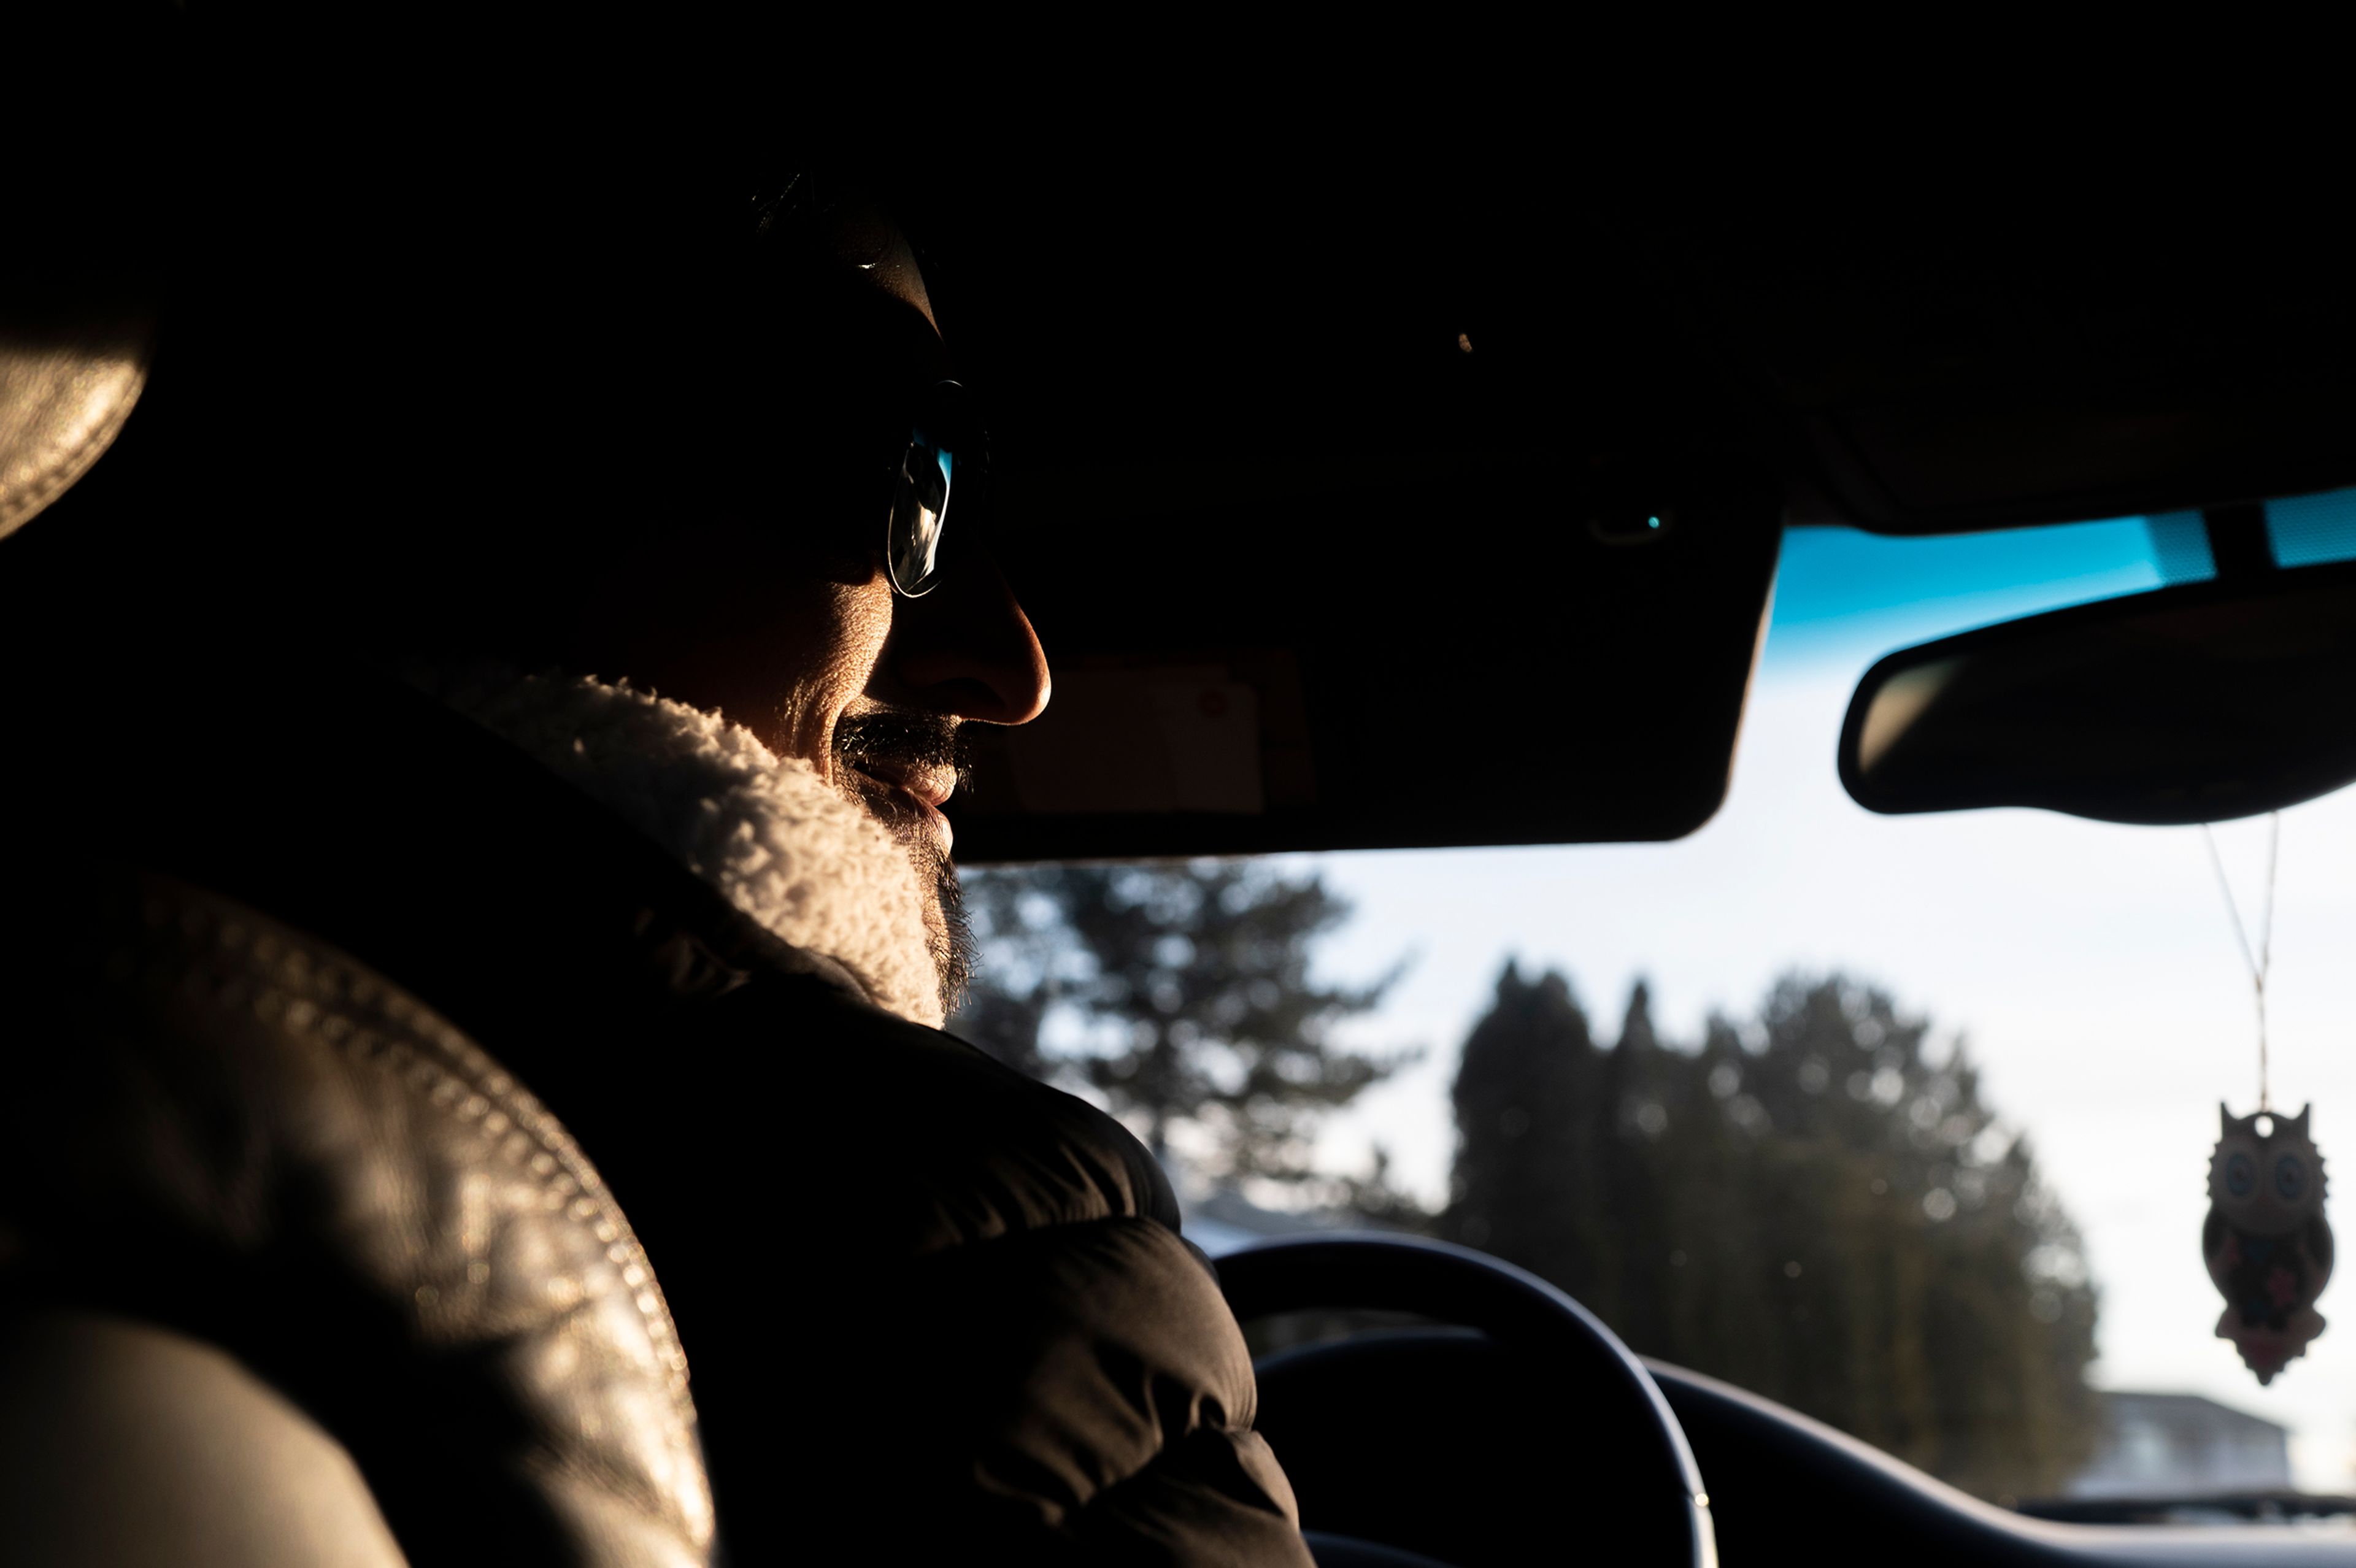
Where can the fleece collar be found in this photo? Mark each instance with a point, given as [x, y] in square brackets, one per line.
[765, 831]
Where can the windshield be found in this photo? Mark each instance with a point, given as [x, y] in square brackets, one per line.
[1968, 1062]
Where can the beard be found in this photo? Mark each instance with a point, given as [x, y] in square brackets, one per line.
[950, 933]
[930, 740]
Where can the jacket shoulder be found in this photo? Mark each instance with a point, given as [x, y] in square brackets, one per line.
[942, 1144]
[1046, 1360]
[239, 1135]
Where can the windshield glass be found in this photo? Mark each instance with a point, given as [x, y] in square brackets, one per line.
[1903, 1121]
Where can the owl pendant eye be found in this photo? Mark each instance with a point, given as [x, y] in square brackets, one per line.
[2290, 1179]
[2241, 1175]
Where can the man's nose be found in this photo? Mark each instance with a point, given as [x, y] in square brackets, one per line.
[967, 649]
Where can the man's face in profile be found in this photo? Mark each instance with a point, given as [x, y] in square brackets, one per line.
[781, 612]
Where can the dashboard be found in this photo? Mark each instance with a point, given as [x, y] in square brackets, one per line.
[1494, 1421]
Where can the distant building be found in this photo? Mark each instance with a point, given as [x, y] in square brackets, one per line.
[2180, 1444]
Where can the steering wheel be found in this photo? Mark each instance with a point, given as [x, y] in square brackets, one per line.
[1509, 1421]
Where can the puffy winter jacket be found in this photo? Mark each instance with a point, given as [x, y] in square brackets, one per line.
[341, 1038]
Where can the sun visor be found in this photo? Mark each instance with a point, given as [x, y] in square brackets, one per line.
[1344, 543]
[1474, 674]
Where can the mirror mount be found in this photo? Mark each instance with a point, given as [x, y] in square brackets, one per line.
[2237, 541]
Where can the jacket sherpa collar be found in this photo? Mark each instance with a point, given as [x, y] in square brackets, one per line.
[798, 857]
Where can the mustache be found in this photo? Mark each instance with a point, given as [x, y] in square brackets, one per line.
[889, 735]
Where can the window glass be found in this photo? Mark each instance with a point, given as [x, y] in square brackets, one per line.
[1838, 591]
[2180, 546]
[1911, 1078]
[2310, 530]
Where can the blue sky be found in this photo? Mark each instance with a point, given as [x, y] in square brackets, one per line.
[1839, 590]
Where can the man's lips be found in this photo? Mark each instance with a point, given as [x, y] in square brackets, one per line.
[926, 787]
[930, 783]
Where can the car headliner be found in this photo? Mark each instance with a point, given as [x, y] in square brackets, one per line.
[1369, 453]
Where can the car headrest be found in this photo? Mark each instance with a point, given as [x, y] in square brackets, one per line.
[72, 364]
[92, 203]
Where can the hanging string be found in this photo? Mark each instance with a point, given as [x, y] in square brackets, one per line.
[2262, 959]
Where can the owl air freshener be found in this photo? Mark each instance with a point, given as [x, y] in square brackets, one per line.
[2266, 1243]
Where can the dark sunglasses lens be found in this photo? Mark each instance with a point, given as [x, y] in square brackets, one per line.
[920, 504]
[942, 447]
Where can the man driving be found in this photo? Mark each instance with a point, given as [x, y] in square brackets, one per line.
[495, 1070]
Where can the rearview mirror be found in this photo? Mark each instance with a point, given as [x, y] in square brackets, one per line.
[2193, 704]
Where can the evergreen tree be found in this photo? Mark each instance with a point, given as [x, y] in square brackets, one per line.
[1027, 965]
[1825, 1214]
[1524, 1169]
[1192, 985]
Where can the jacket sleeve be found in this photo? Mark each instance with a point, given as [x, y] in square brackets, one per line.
[957, 1322]
[1093, 1391]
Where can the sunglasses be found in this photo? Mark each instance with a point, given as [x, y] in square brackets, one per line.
[945, 455]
